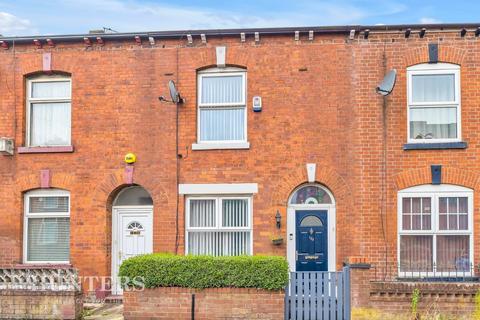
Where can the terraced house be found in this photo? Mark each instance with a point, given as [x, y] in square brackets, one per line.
[279, 144]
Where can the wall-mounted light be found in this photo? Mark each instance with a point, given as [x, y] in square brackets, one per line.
[278, 219]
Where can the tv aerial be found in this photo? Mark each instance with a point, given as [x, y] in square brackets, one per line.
[388, 83]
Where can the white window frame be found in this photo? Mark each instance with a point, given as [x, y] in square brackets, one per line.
[221, 144]
[434, 69]
[219, 217]
[30, 101]
[434, 192]
[27, 215]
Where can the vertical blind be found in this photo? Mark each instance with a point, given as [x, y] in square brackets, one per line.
[222, 108]
[222, 237]
[222, 89]
[219, 124]
[48, 239]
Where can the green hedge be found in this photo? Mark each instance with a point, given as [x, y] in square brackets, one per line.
[164, 270]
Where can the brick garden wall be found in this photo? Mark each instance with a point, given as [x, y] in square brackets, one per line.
[455, 299]
[211, 303]
[29, 304]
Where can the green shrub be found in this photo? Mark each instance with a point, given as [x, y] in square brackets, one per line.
[166, 270]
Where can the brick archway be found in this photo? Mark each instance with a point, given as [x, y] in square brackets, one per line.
[325, 176]
[446, 53]
[455, 176]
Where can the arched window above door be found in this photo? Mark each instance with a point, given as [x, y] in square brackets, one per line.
[133, 196]
[311, 194]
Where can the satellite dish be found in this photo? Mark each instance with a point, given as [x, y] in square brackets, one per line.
[175, 96]
[388, 83]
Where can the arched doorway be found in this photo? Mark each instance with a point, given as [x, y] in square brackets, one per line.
[132, 228]
[311, 229]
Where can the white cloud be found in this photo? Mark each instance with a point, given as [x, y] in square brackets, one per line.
[427, 20]
[10, 24]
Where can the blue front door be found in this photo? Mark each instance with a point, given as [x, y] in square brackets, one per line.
[312, 240]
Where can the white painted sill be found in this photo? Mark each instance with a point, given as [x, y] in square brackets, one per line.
[221, 145]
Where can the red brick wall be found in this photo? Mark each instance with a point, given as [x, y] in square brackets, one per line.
[328, 114]
[29, 304]
[212, 303]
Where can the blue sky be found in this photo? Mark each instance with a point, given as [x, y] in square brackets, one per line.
[29, 17]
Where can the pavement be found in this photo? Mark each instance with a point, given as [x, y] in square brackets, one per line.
[104, 311]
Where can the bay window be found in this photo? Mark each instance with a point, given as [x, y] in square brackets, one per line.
[219, 226]
[48, 111]
[434, 113]
[47, 226]
[435, 230]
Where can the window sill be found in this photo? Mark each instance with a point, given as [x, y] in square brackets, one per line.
[65, 149]
[36, 265]
[435, 146]
[221, 145]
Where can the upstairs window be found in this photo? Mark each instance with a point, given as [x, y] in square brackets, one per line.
[434, 103]
[48, 111]
[222, 114]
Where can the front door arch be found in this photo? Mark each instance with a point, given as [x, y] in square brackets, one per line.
[132, 228]
[311, 229]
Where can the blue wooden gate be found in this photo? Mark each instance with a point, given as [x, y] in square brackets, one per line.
[318, 295]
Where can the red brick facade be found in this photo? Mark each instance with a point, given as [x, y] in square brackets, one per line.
[319, 106]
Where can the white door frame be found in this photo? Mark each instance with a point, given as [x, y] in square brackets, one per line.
[291, 232]
[116, 212]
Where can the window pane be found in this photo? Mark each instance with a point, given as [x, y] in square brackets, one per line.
[416, 222]
[416, 253]
[427, 222]
[219, 124]
[310, 195]
[442, 205]
[235, 213]
[51, 89]
[463, 222]
[443, 222]
[452, 205]
[433, 123]
[133, 196]
[453, 253]
[426, 205]
[219, 243]
[452, 222]
[416, 205]
[50, 124]
[48, 204]
[406, 222]
[224, 89]
[462, 205]
[433, 88]
[202, 213]
[406, 206]
[48, 239]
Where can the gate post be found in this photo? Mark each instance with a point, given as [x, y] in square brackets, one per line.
[360, 277]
